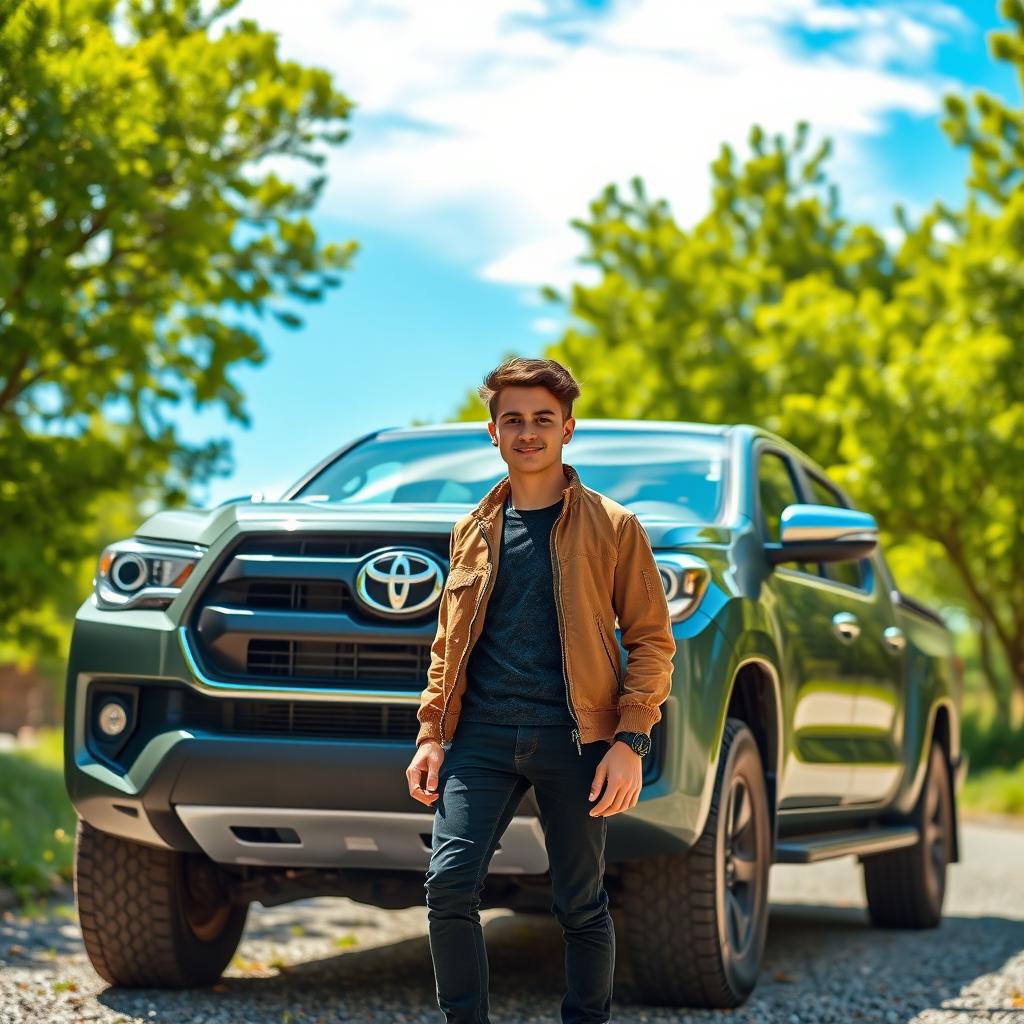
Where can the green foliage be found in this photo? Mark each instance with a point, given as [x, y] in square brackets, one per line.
[993, 132]
[37, 821]
[995, 745]
[145, 228]
[898, 369]
[991, 739]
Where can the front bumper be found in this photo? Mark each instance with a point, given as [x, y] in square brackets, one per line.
[279, 802]
[307, 803]
[259, 775]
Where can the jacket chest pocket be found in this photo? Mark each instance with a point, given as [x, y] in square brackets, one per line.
[461, 591]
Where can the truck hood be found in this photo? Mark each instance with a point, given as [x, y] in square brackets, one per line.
[204, 526]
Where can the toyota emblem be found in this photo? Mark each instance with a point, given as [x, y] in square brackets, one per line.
[400, 582]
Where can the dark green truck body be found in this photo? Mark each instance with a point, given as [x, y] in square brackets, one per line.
[288, 770]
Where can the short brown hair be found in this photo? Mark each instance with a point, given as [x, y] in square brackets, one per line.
[523, 372]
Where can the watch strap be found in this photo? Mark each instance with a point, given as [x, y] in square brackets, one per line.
[628, 738]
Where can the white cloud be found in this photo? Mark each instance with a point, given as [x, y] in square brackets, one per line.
[483, 128]
[546, 325]
[553, 256]
[887, 34]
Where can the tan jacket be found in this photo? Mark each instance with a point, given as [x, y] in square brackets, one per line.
[603, 568]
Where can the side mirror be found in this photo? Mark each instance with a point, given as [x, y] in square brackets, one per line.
[823, 533]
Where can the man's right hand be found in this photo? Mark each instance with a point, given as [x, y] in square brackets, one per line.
[428, 759]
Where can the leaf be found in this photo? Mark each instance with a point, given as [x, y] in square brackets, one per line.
[128, 279]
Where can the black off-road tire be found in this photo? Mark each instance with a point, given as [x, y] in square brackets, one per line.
[152, 918]
[682, 948]
[905, 888]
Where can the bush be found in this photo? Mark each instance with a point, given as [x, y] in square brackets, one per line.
[991, 741]
[37, 821]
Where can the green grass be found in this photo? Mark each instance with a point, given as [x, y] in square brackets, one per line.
[997, 790]
[37, 821]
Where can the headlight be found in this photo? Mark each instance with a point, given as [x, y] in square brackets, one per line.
[685, 578]
[143, 574]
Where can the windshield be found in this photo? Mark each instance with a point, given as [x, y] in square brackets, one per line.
[652, 472]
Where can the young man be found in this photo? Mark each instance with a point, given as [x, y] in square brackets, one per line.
[524, 689]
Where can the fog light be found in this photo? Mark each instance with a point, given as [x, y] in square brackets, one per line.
[112, 719]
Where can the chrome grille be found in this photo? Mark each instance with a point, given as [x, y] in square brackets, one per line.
[285, 608]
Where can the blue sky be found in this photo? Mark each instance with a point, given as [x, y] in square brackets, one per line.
[481, 129]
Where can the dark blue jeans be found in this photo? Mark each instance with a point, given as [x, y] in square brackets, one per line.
[486, 770]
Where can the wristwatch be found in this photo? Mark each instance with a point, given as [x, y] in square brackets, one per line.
[638, 742]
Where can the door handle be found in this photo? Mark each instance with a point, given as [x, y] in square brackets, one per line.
[845, 626]
[894, 639]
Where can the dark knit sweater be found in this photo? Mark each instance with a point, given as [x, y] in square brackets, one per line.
[514, 673]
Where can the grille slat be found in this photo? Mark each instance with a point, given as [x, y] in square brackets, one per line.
[326, 721]
[320, 597]
[282, 717]
[338, 661]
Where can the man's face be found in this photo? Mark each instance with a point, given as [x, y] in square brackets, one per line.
[530, 418]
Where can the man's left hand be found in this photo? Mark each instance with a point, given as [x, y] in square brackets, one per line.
[622, 769]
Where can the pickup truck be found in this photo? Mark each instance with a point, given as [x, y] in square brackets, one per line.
[243, 686]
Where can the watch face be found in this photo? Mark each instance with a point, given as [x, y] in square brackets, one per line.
[641, 743]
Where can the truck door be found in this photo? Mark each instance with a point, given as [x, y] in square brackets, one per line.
[876, 661]
[818, 688]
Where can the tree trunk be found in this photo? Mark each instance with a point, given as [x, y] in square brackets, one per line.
[992, 680]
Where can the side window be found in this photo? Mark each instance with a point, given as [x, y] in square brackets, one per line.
[776, 489]
[842, 572]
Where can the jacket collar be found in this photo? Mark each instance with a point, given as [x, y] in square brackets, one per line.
[492, 502]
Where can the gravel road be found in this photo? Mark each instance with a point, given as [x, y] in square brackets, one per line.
[333, 960]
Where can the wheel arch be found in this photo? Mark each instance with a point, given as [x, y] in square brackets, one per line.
[942, 729]
[942, 725]
[755, 698]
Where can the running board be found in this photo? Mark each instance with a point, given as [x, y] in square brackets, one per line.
[807, 849]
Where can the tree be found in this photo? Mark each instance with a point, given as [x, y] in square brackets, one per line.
[146, 227]
[899, 369]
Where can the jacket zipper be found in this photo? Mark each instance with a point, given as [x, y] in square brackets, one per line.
[476, 608]
[561, 632]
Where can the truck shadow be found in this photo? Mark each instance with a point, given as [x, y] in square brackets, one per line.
[826, 961]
